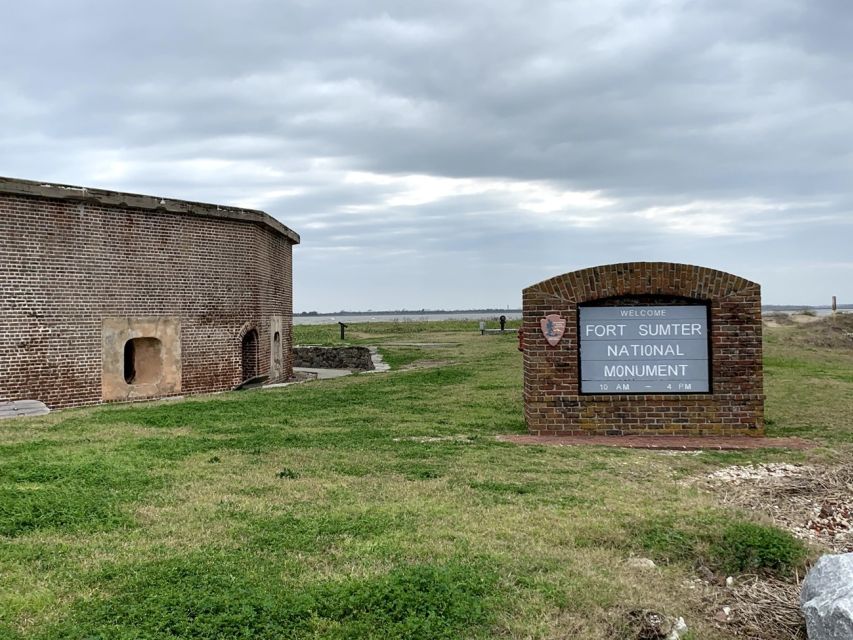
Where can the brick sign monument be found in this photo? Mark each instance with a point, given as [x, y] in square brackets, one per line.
[643, 348]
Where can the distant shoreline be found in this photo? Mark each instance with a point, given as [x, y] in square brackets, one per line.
[403, 312]
[490, 317]
[800, 307]
[423, 312]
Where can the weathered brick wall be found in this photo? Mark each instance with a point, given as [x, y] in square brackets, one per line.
[553, 404]
[71, 257]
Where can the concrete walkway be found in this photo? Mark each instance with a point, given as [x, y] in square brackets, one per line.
[379, 364]
[324, 374]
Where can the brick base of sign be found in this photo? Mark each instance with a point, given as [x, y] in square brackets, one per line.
[553, 402]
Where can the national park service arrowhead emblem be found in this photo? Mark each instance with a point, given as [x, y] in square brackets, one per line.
[553, 328]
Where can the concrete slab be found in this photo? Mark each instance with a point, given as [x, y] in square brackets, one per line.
[379, 364]
[325, 374]
[22, 408]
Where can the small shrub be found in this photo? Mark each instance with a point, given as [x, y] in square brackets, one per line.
[666, 541]
[287, 474]
[719, 543]
[747, 547]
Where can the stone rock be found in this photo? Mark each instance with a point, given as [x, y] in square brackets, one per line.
[826, 598]
[357, 358]
[679, 630]
[641, 563]
[723, 615]
[707, 575]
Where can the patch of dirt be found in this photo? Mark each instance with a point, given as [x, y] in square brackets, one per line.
[426, 364]
[422, 345]
[661, 443]
[645, 624]
[426, 439]
[813, 503]
[805, 318]
[777, 319]
[648, 625]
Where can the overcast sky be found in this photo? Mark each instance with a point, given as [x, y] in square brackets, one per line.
[449, 153]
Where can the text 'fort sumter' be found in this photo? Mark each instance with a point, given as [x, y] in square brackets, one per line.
[660, 349]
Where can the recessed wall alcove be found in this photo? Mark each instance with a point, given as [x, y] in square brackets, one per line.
[141, 358]
[249, 349]
[277, 355]
[143, 361]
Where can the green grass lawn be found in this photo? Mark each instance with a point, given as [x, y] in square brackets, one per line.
[377, 506]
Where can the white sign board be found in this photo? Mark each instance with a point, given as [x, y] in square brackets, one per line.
[638, 349]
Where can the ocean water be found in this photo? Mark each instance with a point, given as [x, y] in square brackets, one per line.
[436, 317]
[405, 317]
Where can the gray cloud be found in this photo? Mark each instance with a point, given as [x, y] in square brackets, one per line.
[448, 154]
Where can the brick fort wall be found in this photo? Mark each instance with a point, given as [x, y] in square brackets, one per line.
[553, 403]
[72, 257]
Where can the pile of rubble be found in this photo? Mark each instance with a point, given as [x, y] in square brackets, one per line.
[813, 503]
[738, 475]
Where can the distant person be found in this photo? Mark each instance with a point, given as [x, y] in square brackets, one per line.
[503, 322]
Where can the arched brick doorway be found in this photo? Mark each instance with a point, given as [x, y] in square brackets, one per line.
[250, 355]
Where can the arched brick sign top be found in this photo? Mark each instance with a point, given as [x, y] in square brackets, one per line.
[734, 403]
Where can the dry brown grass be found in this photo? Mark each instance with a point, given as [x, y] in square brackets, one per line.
[762, 608]
[831, 332]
